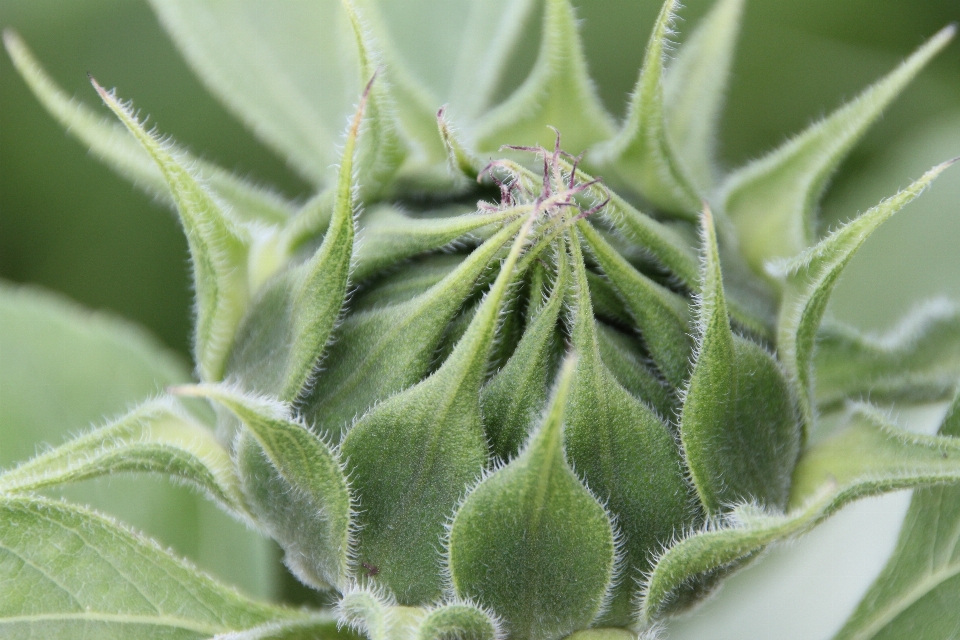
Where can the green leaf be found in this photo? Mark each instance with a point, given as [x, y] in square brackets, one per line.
[917, 361]
[62, 368]
[66, 572]
[111, 143]
[377, 353]
[289, 72]
[558, 93]
[661, 315]
[314, 626]
[630, 366]
[282, 337]
[624, 452]
[738, 425]
[641, 155]
[530, 528]
[514, 397]
[868, 457]
[157, 437]
[695, 87]
[388, 236]
[693, 562]
[218, 250]
[376, 616]
[411, 455]
[773, 200]
[873, 456]
[809, 280]
[294, 484]
[916, 595]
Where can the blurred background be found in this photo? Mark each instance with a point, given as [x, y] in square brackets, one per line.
[69, 224]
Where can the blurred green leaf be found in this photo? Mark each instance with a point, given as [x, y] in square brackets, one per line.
[916, 361]
[695, 88]
[557, 93]
[71, 573]
[917, 594]
[773, 200]
[313, 626]
[867, 457]
[290, 72]
[114, 145]
[459, 55]
[63, 368]
[156, 437]
[810, 278]
[870, 456]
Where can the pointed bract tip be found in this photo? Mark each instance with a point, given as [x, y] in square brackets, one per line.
[96, 85]
[364, 97]
[937, 169]
[11, 39]
[369, 87]
[943, 37]
[441, 111]
[706, 213]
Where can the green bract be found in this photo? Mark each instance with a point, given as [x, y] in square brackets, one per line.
[566, 412]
